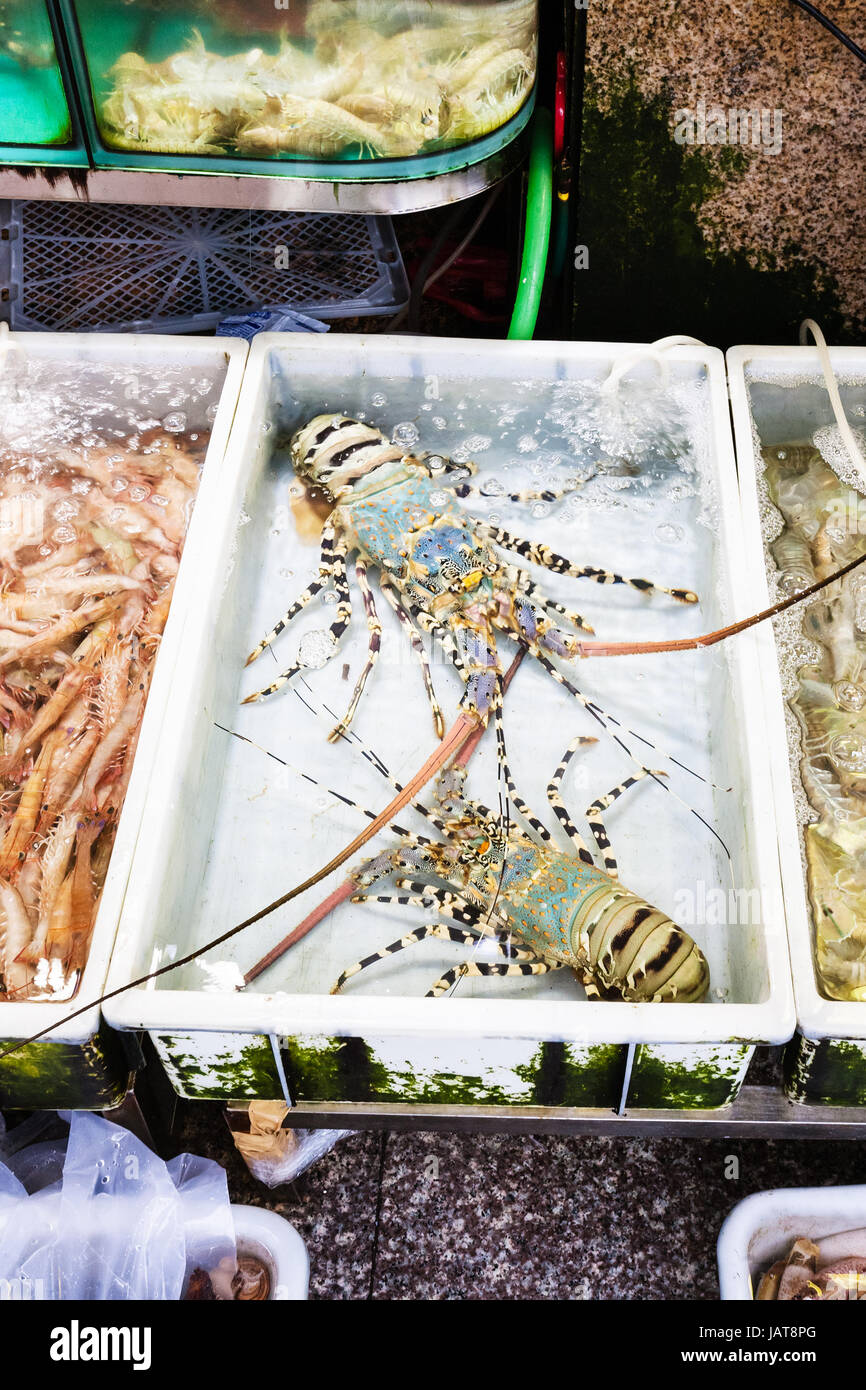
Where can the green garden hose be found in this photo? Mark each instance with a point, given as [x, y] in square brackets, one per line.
[539, 212]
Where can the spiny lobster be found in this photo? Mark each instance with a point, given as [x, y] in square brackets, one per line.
[541, 908]
[437, 565]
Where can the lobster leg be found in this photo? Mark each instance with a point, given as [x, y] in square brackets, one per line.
[538, 554]
[326, 562]
[522, 619]
[435, 929]
[426, 896]
[483, 967]
[418, 648]
[336, 629]
[541, 599]
[559, 809]
[596, 825]
[374, 628]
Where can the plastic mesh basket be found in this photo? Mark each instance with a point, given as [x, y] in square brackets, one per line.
[123, 268]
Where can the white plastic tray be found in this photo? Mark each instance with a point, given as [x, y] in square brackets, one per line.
[762, 1228]
[20, 1020]
[225, 830]
[782, 417]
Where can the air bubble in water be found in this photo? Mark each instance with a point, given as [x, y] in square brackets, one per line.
[477, 443]
[436, 463]
[439, 499]
[175, 422]
[379, 399]
[527, 444]
[63, 534]
[439, 422]
[119, 484]
[405, 434]
[669, 534]
[540, 509]
[316, 648]
[158, 500]
[65, 511]
[492, 487]
[494, 518]
[781, 454]
[329, 596]
[849, 751]
[138, 493]
[849, 696]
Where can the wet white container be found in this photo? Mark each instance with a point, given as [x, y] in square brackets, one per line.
[762, 1228]
[781, 393]
[81, 1065]
[271, 1238]
[227, 829]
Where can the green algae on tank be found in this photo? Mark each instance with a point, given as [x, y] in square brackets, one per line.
[829, 703]
[65, 1076]
[829, 1072]
[33, 106]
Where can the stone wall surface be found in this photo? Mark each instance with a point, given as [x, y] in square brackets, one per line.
[697, 221]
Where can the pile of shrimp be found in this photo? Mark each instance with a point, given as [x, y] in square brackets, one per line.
[90, 540]
[389, 80]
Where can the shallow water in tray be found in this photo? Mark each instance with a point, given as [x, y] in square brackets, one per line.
[646, 506]
[816, 524]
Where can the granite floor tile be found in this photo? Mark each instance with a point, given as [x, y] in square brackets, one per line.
[466, 1217]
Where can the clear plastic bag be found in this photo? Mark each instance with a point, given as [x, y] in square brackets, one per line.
[120, 1224]
[275, 1155]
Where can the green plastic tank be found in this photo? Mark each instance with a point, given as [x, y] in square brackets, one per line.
[37, 118]
[340, 90]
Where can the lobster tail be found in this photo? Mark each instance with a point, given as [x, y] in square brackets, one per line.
[636, 952]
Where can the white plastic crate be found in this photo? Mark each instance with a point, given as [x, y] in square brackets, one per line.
[113, 268]
[223, 359]
[227, 830]
[779, 396]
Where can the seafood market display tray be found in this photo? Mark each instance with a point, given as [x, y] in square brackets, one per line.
[100, 383]
[227, 829]
[762, 1228]
[780, 401]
